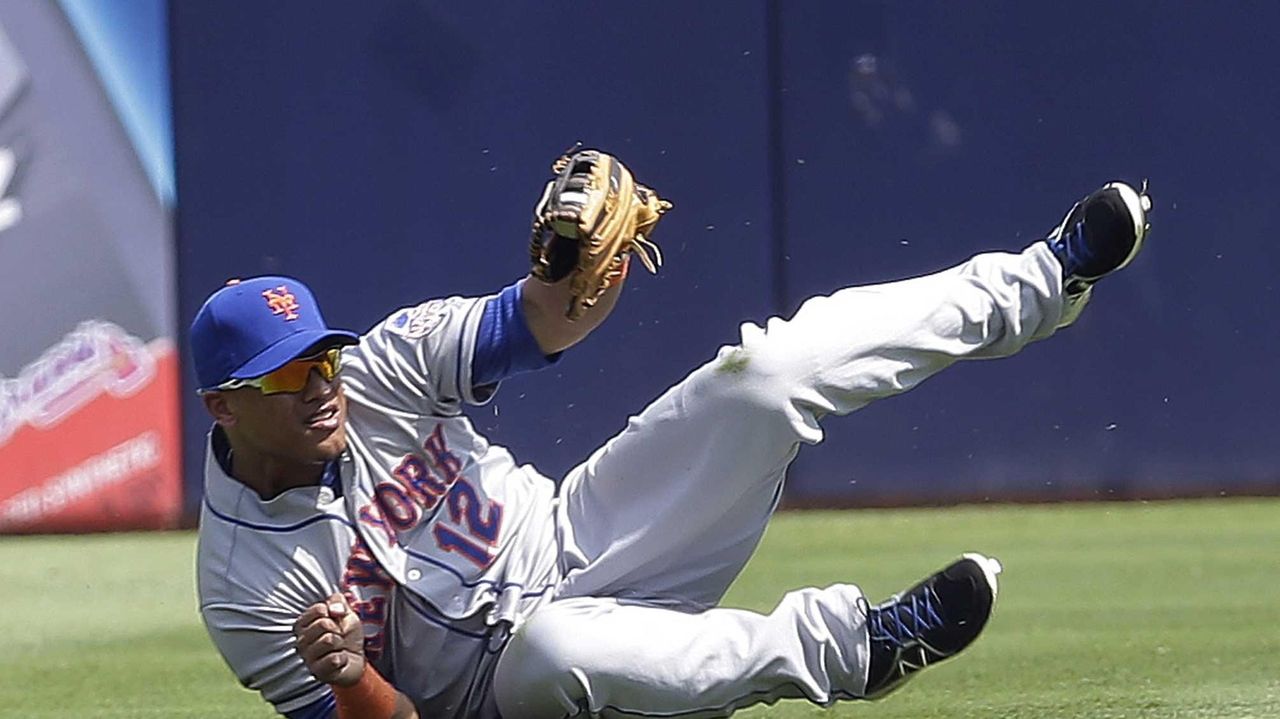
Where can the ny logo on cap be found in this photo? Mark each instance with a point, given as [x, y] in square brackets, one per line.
[282, 302]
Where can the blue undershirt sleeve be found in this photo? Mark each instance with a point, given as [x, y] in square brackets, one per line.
[326, 708]
[504, 345]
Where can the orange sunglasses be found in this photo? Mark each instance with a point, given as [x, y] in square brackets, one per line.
[293, 376]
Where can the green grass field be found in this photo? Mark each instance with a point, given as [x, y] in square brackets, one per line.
[1109, 611]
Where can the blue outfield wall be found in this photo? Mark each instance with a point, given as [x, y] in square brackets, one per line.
[392, 152]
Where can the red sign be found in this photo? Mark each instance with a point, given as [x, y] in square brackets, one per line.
[89, 436]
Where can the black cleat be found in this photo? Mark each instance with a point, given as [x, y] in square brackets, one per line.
[929, 622]
[1101, 234]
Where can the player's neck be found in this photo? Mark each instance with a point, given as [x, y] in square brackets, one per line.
[269, 475]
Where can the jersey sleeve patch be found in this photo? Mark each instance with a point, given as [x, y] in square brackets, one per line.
[418, 322]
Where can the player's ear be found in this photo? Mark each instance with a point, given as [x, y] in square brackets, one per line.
[217, 405]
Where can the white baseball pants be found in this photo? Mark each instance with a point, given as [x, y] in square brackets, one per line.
[662, 518]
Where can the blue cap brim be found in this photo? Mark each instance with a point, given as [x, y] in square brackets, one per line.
[290, 348]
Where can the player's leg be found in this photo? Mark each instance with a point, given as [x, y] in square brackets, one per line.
[673, 506]
[614, 658]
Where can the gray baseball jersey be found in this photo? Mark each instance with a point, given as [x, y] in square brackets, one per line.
[419, 534]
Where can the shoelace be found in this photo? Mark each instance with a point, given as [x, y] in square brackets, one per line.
[907, 618]
[1075, 252]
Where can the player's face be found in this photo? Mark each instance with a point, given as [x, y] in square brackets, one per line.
[308, 426]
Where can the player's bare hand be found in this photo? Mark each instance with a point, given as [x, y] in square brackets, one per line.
[330, 641]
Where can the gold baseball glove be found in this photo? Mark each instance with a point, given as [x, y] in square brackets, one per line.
[589, 220]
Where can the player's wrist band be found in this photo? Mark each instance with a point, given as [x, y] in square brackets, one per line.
[371, 697]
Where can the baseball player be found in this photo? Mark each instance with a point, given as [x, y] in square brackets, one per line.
[364, 552]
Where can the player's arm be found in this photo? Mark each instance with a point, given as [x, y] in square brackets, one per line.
[544, 305]
[524, 328]
[330, 641]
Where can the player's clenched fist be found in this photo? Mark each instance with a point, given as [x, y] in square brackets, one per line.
[331, 641]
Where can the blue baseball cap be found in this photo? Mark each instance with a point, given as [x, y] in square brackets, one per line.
[255, 326]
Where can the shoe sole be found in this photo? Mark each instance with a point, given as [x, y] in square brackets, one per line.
[1138, 204]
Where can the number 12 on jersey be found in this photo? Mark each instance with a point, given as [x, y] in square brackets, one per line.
[479, 524]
